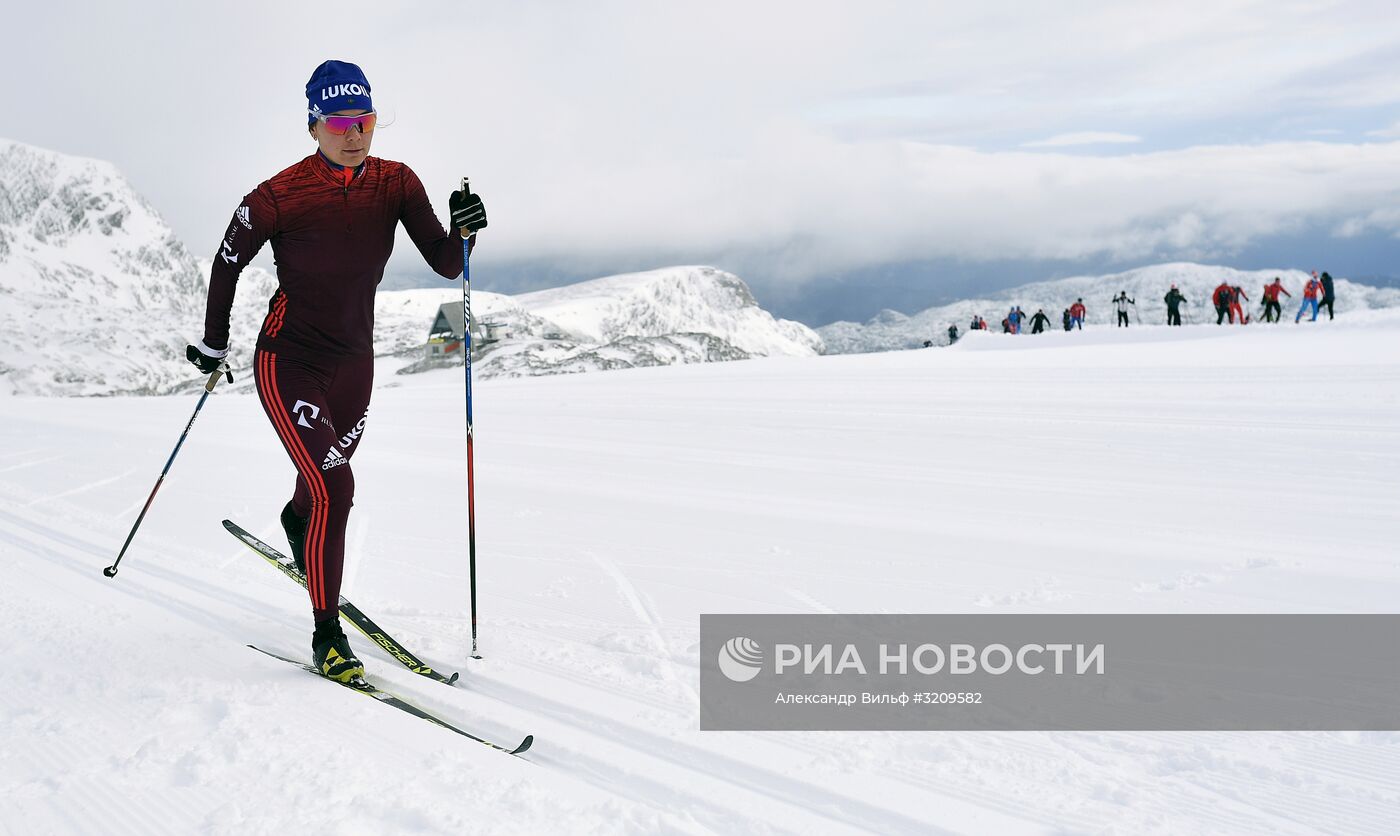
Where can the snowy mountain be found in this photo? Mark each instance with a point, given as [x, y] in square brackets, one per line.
[891, 330]
[663, 317]
[100, 299]
[96, 288]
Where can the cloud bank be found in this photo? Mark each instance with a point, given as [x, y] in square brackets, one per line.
[921, 201]
[804, 139]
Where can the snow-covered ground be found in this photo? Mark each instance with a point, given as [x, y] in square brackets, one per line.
[1199, 469]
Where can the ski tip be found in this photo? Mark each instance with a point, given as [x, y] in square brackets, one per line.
[524, 744]
[452, 680]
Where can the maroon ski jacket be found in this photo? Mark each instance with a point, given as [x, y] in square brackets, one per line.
[332, 231]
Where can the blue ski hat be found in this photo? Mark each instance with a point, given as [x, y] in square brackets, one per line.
[336, 85]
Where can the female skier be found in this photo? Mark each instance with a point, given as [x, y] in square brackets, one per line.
[331, 219]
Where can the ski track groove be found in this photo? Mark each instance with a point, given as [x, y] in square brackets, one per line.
[1254, 808]
[491, 689]
[600, 682]
[81, 488]
[987, 798]
[635, 785]
[256, 610]
[154, 570]
[810, 602]
[707, 765]
[23, 465]
[1312, 767]
[14, 454]
[637, 601]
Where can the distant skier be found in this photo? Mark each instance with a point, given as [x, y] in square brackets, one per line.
[1121, 301]
[1174, 299]
[1039, 321]
[1311, 293]
[1329, 295]
[1065, 319]
[1006, 325]
[1222, 297]
[1016, 317]
[331, 219]
[1273, 311]
[1236, 309]
[952, 334]
[974, 325]
[1076, 314]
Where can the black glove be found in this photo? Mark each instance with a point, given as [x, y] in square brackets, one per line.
[467, 211]
[204, 358]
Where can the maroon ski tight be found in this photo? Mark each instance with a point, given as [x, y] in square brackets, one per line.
[319, 409]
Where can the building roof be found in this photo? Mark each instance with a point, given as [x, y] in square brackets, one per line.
[449, 315]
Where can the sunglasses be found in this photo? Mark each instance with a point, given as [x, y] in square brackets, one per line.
[339, 125]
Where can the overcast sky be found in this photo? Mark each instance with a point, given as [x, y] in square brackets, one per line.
[794, 143]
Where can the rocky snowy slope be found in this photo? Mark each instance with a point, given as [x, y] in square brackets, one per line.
[100, 299]
[95, 287]
[656, 318]
[891, 330]
[662, 317]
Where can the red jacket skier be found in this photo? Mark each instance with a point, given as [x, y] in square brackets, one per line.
[1076, 314]
[331, 220]
[1222, 297]
[1311, 293]
[1272, 308]
[1236, 309]
[1271, 291]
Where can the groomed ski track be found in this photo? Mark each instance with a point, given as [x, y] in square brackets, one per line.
[1199, 469]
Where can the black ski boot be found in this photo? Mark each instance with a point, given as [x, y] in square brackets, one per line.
[331, 654]
[296, 535]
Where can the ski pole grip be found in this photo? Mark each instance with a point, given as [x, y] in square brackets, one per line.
[214, 377]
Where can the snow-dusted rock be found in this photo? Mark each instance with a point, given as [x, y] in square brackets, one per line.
[95, 290]
[660, 317]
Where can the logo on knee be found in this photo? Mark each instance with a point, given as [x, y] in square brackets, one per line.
[334, 458]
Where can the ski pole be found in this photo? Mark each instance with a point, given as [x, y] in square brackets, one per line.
[111, 571]
[467, 365]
